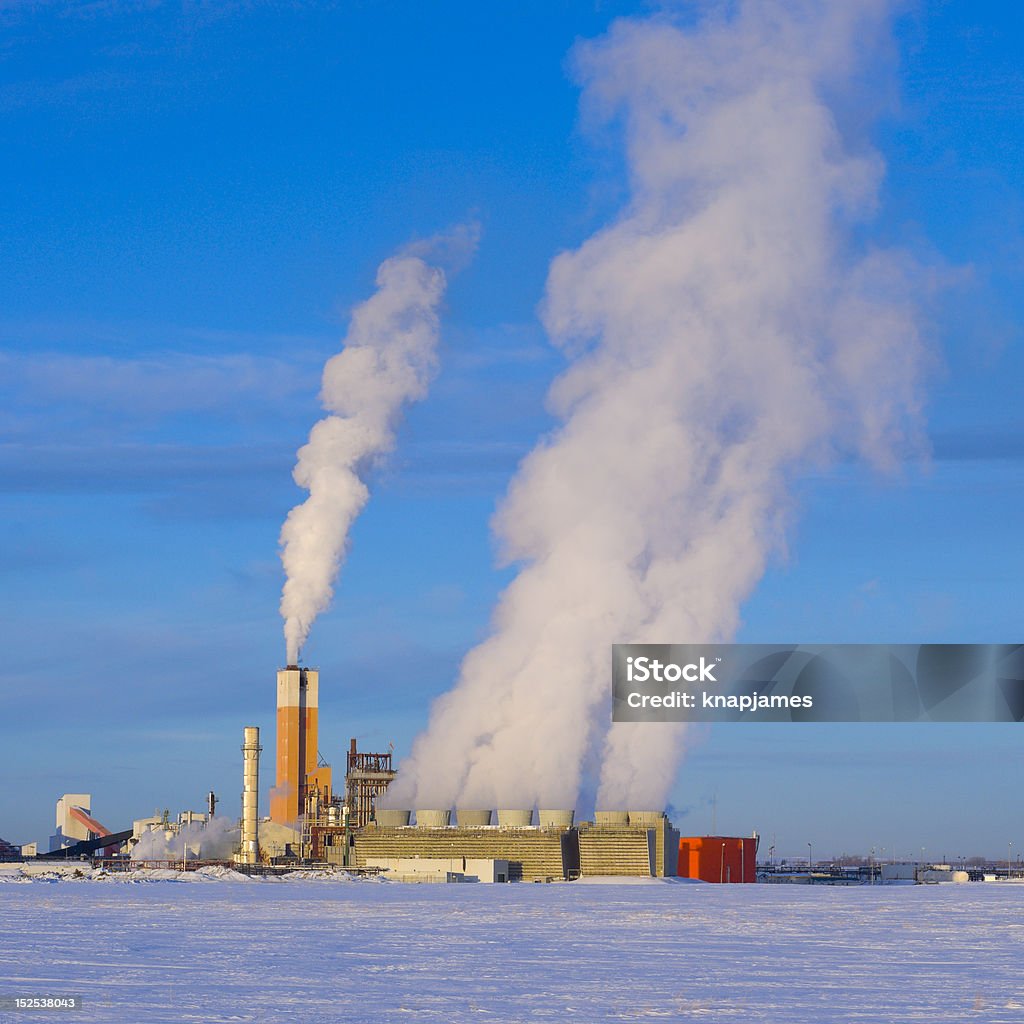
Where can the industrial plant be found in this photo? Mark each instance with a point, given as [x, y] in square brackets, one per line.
[314, 824]
[311, 825]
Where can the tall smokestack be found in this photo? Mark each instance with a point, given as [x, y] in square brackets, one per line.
[250, 795]
[298, 708]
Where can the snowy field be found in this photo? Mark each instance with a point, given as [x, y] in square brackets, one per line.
[312, 951]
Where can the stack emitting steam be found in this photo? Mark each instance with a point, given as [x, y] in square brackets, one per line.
[724, 333]
[387, 361]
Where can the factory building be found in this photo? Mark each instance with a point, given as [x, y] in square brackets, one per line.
[428, 869]
[309, 823]
[72, 808]
[75, 822]
[637, 844]
[159, 834]
[718, 858]
[299, 772]
[278, 843]
[924, 874]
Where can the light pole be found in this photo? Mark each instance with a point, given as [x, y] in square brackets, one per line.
[1009, 858]
[810, 861]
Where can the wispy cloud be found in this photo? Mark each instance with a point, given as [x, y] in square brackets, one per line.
[206, 476]
[135, 338]
[127, 468]
[183, 415]
[151, 386]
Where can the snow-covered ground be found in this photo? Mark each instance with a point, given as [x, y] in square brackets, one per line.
[322, 950]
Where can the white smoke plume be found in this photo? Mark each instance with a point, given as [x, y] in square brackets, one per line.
[387, 361]
[724, 333]
[217, 839]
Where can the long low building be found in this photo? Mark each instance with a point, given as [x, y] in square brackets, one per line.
[434, 869]
[646, 847]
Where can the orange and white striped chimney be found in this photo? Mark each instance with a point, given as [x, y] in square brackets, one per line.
[298, 700]
[297, 708]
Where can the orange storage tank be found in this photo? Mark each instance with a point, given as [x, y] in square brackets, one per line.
[718, 858]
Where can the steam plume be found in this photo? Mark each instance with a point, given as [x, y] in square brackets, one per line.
[725, 332]
[216, 839]
[387, 361]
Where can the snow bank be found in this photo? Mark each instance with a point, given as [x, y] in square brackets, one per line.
[48, 873]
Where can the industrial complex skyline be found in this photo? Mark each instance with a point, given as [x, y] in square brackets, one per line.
[191, 213]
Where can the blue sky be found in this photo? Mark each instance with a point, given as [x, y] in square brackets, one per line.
[192, 196]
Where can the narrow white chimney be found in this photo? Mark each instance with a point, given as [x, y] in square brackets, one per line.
[250, 795]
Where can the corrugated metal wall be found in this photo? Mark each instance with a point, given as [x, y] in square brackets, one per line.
[718, 858]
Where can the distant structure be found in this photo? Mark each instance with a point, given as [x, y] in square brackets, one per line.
[75, 824]
[70, 827]
[161, 830]
[75, 821]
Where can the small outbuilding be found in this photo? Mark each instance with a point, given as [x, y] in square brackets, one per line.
[718, 858]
